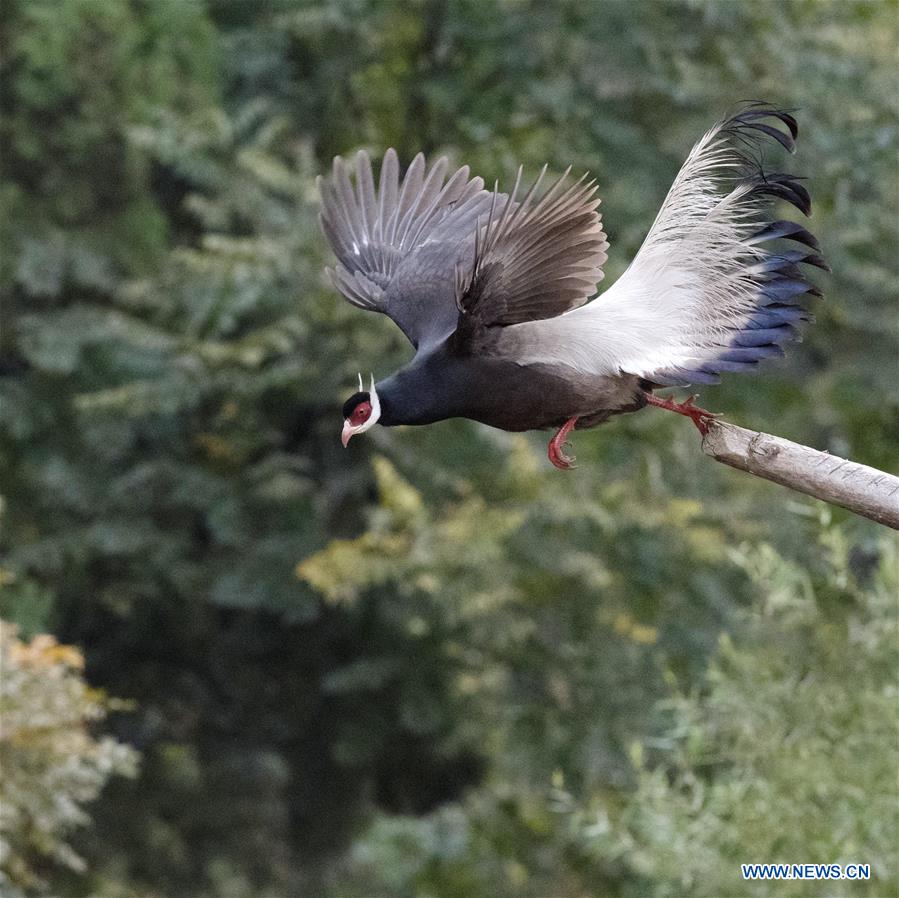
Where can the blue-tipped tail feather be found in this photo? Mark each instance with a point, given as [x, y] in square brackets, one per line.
[781, 281]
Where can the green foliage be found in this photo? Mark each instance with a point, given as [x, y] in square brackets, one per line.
[799, 715]
[52, 765]
[421, 666]
[785, 752]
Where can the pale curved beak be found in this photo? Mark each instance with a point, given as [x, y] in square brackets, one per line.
[347, 432]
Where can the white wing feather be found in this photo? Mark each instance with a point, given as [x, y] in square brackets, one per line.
[694, 284]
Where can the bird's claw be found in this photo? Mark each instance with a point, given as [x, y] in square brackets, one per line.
[699, 416]
[562, 461]
[557, 445]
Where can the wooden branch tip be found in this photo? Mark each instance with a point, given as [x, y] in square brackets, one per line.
[866, 491]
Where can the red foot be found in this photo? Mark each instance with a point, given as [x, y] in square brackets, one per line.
[700, 417]
[555, 451]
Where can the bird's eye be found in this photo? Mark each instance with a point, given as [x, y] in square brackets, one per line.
[361, 413]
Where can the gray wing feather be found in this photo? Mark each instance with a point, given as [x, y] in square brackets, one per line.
[532, 260]
[397, 246]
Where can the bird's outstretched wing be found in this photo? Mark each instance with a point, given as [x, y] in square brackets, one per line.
[533, 259]
[707, 292]
[397, 246]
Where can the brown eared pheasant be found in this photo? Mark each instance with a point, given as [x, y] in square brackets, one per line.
[495, 290]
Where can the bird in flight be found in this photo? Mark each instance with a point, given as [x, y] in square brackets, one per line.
[494, 290]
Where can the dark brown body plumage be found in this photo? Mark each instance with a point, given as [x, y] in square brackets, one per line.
[493, 290]
[498, 391]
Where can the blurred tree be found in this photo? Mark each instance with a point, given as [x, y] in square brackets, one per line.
[800, 713]
[52, 765]
[780, 754]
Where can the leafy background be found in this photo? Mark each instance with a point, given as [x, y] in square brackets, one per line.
[431, 665]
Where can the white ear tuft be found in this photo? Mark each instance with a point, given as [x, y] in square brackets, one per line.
[375, 402]
[361, 388]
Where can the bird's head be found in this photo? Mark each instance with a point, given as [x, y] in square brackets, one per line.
[360, 412]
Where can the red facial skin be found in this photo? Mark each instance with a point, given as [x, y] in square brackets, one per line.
[360, 414]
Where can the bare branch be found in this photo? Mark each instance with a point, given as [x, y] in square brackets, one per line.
[866, 491]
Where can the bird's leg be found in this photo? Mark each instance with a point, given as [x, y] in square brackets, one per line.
[555, 449]
[700, 417]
